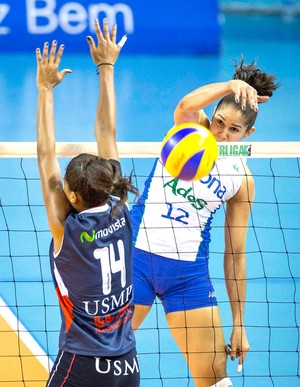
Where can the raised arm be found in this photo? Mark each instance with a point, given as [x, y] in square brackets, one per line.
[236, 225]
[190, 107]
[48, 76]
[104, 55]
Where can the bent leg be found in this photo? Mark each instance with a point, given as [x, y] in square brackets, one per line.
[199, 335]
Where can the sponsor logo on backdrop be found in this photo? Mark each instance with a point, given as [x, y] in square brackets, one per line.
[45, 17]
[4, 11]
[29, 23]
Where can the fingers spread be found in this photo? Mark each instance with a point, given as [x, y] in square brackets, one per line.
[38, 56]
[91, 42]
[98, 31]
[59, 55]
[114, 34]
[64, 72]
[106, 30]
[122, 41]
[45, 52]
[53, 51]
[105, 50]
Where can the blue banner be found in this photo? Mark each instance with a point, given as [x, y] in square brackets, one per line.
[152, 26]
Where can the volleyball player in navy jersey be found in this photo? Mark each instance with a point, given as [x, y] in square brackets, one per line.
[90, 253]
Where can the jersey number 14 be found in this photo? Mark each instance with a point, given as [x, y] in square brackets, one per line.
[109, 265]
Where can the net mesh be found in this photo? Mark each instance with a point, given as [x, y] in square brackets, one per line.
[29, 313]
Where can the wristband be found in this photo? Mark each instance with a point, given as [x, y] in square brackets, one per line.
[103, 64]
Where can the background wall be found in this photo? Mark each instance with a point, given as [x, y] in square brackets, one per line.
[156, 26]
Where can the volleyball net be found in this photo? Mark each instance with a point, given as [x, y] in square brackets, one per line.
[29, 312]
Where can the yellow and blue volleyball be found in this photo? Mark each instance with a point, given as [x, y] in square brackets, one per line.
[189, 151]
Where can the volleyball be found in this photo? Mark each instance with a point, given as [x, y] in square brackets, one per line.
[189, 151]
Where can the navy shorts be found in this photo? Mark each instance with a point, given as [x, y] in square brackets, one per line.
[71, 370]
[180, 285]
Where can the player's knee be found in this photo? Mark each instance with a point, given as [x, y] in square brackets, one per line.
[226, 382]
[219, 365]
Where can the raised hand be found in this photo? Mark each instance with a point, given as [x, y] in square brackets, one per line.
[244, 92]
[48, 75]
[106, 51]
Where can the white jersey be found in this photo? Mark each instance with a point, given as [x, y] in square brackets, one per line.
[172, 217]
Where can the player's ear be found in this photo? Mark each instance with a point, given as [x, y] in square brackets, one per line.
[249, 132]
[76, 201]
[75, 198]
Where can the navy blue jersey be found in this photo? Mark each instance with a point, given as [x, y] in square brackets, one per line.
[92, 273]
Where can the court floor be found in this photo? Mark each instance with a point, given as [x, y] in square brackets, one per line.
[148, 88]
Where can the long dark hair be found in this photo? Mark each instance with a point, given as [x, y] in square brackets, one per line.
[95, 179]
[262, 82]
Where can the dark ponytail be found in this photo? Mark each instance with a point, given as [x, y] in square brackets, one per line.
[122, 187]
[95, 179]
[262, 82]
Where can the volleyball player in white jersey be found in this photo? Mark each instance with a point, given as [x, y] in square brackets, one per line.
[91, 249]
[171, 229]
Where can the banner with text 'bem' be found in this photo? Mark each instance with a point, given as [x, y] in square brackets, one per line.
[152, 26]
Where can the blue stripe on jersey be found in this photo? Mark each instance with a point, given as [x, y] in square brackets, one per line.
[203, 250]
[138, 209]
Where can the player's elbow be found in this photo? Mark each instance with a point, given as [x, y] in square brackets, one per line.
[42, 151]
[182, 106]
